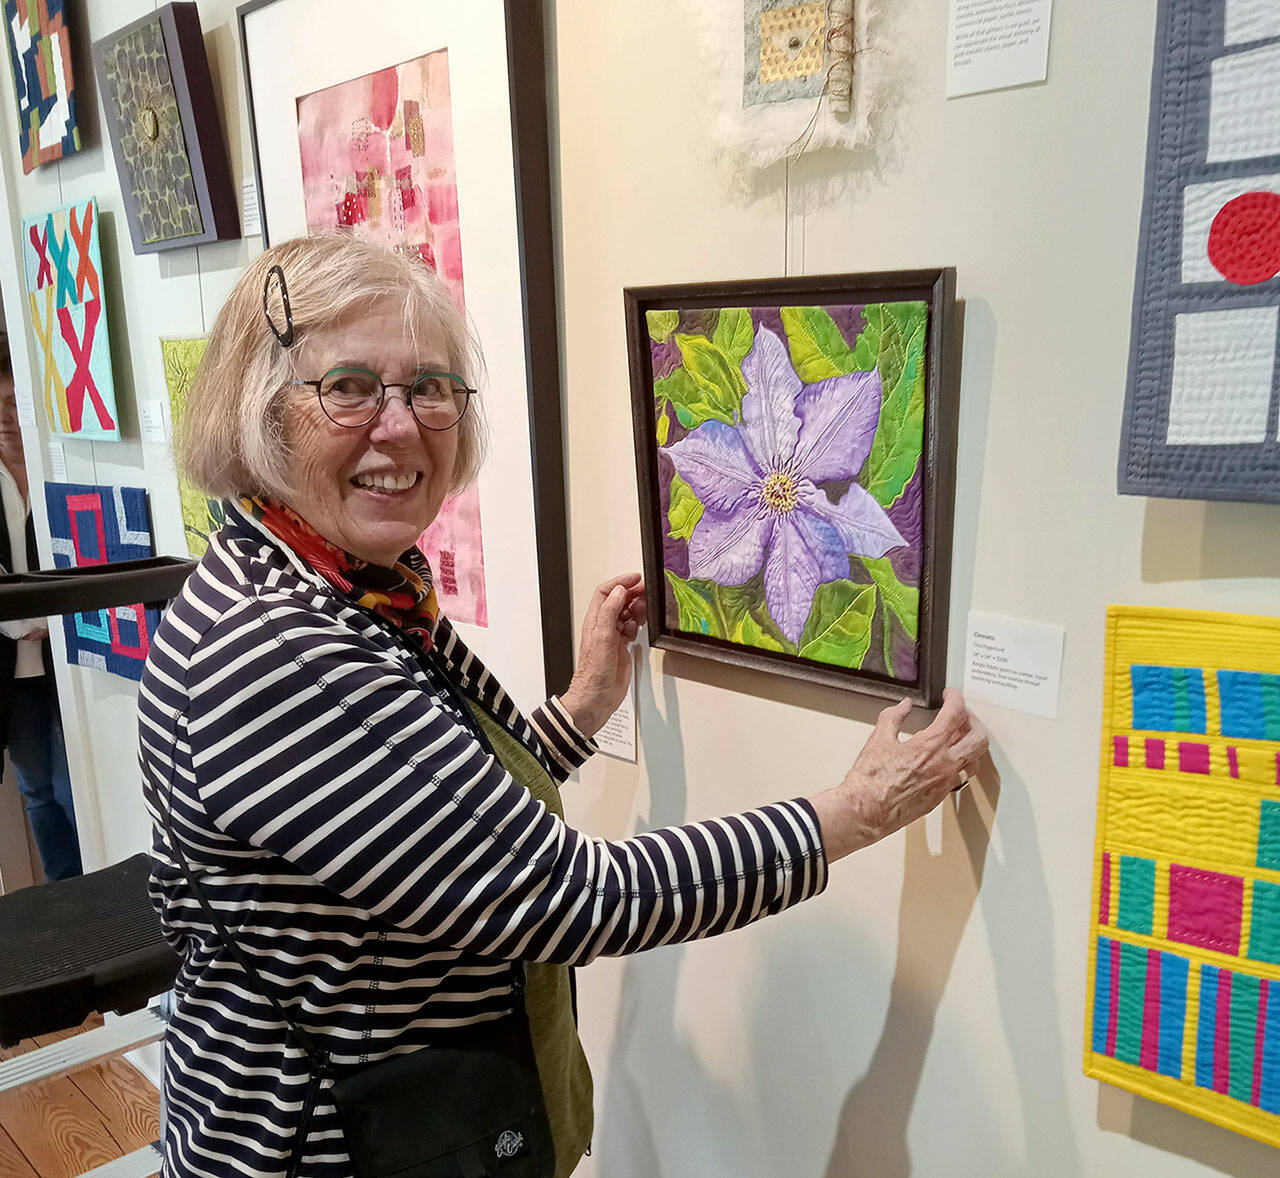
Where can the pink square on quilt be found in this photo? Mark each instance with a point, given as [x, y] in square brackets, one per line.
[1205, 908]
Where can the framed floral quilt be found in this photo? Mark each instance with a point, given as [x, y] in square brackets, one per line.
[795, 449]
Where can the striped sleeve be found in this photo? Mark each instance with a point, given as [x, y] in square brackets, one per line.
[313, 744]
[560, 737]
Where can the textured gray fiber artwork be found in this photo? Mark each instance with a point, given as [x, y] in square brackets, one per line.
[1202, 409]
[785, 48]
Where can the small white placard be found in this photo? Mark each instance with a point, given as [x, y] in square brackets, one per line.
[250, 221]
[618, 736]
[26, 405]
[151, 415]
[992, 44]
[1014, 664]
[57, 462]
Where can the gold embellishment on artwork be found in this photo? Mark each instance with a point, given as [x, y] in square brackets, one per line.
[791, 41]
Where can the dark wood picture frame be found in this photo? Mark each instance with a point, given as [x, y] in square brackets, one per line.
[527, 90]
[204, 147]
[936, 288]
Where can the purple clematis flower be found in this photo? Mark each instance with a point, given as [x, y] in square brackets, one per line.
[758, 483]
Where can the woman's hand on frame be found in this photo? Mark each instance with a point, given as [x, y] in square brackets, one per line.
[894, 780]
[615, 613]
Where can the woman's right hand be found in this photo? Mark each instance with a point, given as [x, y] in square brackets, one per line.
[895, 781]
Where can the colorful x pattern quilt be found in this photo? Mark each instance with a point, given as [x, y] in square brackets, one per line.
[63, 264]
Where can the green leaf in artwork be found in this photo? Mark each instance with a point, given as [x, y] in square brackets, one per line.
[734, 333]
[819, 350]
[694, 610]
[896, 449]
[685, 510]
[903, 600]
[749, 632]
[838, 630]
[661, 324]
[688, 399]
[719, 379]
[663, 428]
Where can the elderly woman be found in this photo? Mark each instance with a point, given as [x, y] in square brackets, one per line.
[373, 824]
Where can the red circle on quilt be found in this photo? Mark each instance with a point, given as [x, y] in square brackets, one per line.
[1244, 240]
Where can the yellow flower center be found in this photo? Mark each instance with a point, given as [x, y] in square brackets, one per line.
[780, 493]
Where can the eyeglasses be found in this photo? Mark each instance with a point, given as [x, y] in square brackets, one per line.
[353, 397]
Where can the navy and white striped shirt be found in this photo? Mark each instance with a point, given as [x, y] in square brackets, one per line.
[377, 865]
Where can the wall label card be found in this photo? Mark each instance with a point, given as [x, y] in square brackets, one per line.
[151, 419]
[1013, 663]
[994, 44]
[618, 736]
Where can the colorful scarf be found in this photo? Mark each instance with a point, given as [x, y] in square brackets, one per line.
[402, 594]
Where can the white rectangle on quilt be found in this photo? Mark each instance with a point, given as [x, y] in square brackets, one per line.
[1222, 365]
[1244, 104]
[1251, 20]
[1203, 202]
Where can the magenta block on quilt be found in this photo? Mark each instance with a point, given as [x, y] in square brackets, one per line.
[1193, 757]
[1205, 908]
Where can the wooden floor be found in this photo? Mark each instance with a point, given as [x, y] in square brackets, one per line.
[64, 1127]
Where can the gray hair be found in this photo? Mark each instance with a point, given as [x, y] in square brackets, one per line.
[231, 438]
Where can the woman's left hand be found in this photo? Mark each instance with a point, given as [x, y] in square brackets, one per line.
[616, 612]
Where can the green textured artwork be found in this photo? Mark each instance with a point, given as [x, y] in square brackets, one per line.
[144, 109]
[201, 515]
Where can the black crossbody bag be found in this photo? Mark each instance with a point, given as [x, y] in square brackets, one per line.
[467, 1106]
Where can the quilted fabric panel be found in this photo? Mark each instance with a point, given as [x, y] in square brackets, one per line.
[1202, 408]
[1184, 977]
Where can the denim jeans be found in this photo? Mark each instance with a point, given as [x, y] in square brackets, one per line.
[40, 763]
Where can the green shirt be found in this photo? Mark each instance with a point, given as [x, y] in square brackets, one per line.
[562, 1065]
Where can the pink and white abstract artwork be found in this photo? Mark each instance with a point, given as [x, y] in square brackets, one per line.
[377, 162]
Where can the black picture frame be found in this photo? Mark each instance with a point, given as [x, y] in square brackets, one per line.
[526, 85]
[934, 287]
[203, 146]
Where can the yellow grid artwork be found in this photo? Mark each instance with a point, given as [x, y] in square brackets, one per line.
[1184, 950]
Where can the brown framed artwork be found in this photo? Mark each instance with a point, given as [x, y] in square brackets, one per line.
[425, 130]
[162, 115]
[795, 452]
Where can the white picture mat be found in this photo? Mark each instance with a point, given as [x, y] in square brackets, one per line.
[296, 47]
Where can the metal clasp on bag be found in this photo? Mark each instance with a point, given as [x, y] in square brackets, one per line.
[509, 1144]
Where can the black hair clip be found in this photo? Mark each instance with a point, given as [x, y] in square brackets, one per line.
[286, 336]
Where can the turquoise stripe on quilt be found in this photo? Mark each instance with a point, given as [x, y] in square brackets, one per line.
[1269, 1095]
[1173, 1012]
[1102, 995]
[1206, 1025]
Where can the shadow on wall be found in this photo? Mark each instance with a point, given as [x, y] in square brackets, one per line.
[1189, 540]
[1018, 917]
[659, 1090]
[1174, 1131]
[938, 896]
[646, 1027]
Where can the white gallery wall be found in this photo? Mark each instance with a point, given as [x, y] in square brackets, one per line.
[925, 1015]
